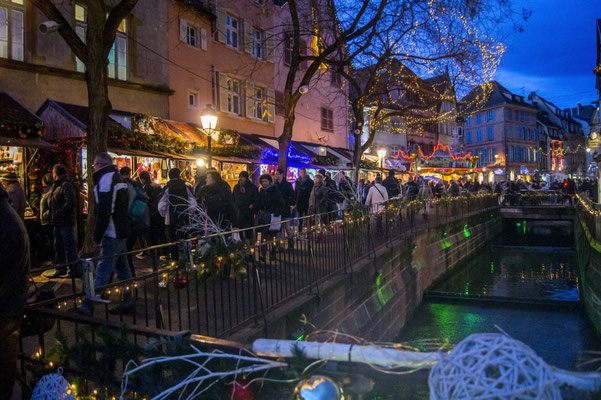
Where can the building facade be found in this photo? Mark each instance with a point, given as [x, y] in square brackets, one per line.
[36, 66]
[500, 127]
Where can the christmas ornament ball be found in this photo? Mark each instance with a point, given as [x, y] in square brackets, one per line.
[318, 387]
[53, 387]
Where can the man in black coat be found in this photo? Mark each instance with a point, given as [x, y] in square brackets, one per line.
[245, 196]
[302, 189]
[153, 193]
[62, 204]
[392, 185]
[332, 189]
[14, 266]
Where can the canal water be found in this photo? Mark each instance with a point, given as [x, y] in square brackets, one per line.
[530, 292]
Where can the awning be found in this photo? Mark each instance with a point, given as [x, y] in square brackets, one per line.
[137, 153]
[234, 160]
[18, 142]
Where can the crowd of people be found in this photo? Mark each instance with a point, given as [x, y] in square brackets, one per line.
[128, 210]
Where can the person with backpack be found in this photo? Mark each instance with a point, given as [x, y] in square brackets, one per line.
[111, 231]
[153, 192]
[62, 203]
[174, 206]
[138, 213]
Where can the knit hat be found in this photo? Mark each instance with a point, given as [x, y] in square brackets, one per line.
[322, 172]
[9, 176]
[243, 174]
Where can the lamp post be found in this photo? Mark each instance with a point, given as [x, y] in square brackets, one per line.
[209, 121]
[381, 155]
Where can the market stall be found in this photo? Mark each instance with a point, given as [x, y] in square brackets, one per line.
[20, 140]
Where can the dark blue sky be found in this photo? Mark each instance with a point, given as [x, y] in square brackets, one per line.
[556, 53]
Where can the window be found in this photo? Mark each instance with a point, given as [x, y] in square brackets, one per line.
[509, 114]
[327, 119]
[478, 135]
[191, 35]
[490, 135]
[336, 79]
[231, 31]
[257, 43]
[81, 21]
[118, 54]
[258, 102]
[490, 115]
[193, 99]
[394, 150]
[478, 118]
[510, 132]
[11, 29]
[233, 95]
[510, 153]
[468, 137]
[468, 121]
[522, 116]
[288, 44]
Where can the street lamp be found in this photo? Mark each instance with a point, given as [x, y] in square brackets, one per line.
[381, 155]
[209, 122]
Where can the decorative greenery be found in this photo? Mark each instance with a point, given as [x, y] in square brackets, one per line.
[218, 258]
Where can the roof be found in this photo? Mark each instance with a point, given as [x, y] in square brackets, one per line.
[540, 116]
[79, 115]
[492, 95]
[16, 120]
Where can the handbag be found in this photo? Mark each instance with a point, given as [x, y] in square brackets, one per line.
[275, 225]
[37, 323]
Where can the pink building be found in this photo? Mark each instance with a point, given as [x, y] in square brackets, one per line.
[322, 112]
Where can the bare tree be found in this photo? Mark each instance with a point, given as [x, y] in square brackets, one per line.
[386, 67]
[103, 20]
[318, 22]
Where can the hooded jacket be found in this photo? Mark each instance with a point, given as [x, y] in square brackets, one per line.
[302, 191]
[219, 204]
[176, 201]
[112, 204]
[245, 198]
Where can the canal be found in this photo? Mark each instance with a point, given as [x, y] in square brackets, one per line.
[531, 292]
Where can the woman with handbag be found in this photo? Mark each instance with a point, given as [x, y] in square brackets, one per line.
[270, 204]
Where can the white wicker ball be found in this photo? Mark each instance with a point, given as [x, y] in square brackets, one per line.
[53, 387]
[492, 366]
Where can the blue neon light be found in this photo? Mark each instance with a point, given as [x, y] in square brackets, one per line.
[272, 153]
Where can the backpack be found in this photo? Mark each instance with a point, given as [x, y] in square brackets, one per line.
[138, 209]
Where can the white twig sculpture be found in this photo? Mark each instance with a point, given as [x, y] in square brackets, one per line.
[492, 366]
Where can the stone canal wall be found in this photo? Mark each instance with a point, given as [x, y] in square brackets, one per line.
[589, 265]
[376, 296]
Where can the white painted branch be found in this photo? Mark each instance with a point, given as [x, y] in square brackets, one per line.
[385, 357]
[586, 381]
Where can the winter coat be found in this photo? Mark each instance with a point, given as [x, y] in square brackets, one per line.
[302, 190]
[376, 196]
[411, 189]
[153, 195]
[62, 203]
[245, 198]
[287, 192]
[45, 206]
[112, 204]
[15, 262]
[392, 186]
[219, 204]
[345, 190]
[332, 193]
[16, 198]
[318, 202]
[176, 201]
[270, 201]
[454, 189]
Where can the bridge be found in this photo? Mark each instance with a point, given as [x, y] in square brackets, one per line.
[363, 274]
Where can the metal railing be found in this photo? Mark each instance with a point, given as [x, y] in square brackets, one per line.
[182, 296]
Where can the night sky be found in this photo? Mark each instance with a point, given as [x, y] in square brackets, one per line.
[555, 54]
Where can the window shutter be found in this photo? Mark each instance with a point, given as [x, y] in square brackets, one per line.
[269, 40]
[203, 38]
[222, 85]
[271, 105]
[183, 29]
[220, 24]
[249, 99]
[246, 35]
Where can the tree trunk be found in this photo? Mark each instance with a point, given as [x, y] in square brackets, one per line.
[284, 143]
[357, 154]
[99, 108]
